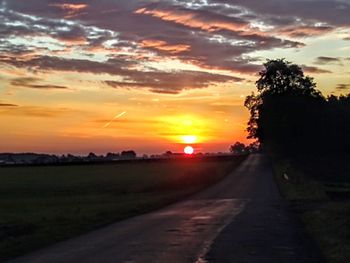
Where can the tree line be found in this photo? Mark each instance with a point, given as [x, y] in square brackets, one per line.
[288, 115]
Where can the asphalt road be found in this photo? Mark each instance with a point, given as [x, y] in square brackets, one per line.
[241, 219]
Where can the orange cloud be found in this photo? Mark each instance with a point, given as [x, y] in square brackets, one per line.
[164, 46]
[71, 9]
[79, 40]
[194, 20]
[29, 82]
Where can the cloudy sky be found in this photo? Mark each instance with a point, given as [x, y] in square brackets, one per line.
[109, 75]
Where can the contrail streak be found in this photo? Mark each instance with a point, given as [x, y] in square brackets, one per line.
[115, 117]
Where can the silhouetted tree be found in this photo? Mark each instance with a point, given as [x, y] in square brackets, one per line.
[92, 155]
[112, 156]
[290, 117]
[238, 148]
[284, 113]
[253, 147]
[128, 154]
[283, 77]
[337, 126]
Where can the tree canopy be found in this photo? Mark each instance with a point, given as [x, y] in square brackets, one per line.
[289, 114]
[283, 77]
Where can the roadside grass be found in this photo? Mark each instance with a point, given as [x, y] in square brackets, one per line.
[324, 207]
[294, 185]
[329, 224]
[40, 205]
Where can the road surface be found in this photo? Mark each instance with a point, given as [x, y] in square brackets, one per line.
[240, 219]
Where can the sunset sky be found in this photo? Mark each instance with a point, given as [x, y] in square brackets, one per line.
[152, 76]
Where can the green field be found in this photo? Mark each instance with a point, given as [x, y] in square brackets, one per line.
[40, 205]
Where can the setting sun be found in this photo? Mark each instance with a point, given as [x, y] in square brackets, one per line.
[188, 150]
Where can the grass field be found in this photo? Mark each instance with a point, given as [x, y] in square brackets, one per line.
[40, 205]
[320, 195]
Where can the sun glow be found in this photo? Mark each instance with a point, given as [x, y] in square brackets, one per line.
[186, 129]
[189, 138]
[188, 150]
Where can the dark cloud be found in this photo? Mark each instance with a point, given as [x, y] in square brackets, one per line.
[73, 34]
[303, 31]
[8, 105]
[327, 60]
[314, 70]
[343, 86]
[332, 12]
[156, 81]
[50, 63]
[172, 82]
[31, 83]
